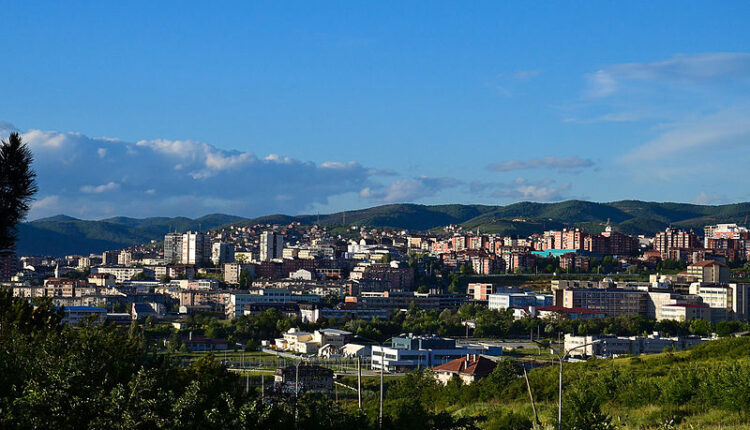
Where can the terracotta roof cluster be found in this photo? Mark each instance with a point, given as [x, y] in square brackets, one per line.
[705, 263]
[468, 365]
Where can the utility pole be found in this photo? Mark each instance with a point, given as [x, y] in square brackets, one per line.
[382, 365]
[531, 396]
[359, 381]
[559, 397]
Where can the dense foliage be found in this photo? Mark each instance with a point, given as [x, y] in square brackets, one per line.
[104, 377]
[17, 187]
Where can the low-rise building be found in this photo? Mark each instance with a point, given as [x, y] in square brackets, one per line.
[520, 299]
[73, 315]
[709, 271]
[416, 352]
[469, 369]
[291, 380]
[608, 346]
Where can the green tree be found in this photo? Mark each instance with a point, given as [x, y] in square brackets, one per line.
[17, 187]
[700, 327]
[246, 279]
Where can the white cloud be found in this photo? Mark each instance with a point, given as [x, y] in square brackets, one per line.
[527, 74]
[543, 190]
[410, 189]
[46, 204]
[712, 131]
[560, 163]
[704, 198]
[97, 189]
[713, 67]
[602, 84]
[192, 178]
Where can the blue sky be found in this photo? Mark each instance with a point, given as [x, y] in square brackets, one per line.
[188, 108]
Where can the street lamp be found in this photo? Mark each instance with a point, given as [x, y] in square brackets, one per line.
[382, 366]
[563, 356]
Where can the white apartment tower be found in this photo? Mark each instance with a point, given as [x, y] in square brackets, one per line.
[271, 246]
[196, 248]
[222, 253]
[173, 248]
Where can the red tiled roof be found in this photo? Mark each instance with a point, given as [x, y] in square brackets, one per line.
[704, 263]
[481, 366]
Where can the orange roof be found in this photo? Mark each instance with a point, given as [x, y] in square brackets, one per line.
[479, 366]
[705, 263]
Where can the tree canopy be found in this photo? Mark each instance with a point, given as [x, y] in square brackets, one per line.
[17, 187]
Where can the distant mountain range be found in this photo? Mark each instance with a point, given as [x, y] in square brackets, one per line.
[61, 235]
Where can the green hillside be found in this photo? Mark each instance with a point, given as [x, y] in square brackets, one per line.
[629, 216]
[62, 235]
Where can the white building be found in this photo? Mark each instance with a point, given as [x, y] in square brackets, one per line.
[196, 248]
[125, 258]
[122, 274]
[222, 253]
[612, 345]
[727, 301]
[237, 301]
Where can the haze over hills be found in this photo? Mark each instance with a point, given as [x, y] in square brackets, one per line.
[61, 235]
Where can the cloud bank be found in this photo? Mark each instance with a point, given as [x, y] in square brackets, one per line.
[559, 163]
[99, 177]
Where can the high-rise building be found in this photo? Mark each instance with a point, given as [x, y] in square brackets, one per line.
[110, 257]
[125, 258]
[222, 253]
[670, 239]
[271, 246]
[173, 248]
[196, 248]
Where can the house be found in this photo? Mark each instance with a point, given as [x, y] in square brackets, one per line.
[201, 343]
[73, 315]
[469, 369]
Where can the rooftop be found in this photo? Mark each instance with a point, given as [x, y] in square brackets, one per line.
[468, 365]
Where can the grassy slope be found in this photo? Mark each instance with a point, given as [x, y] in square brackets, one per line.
[648, 371]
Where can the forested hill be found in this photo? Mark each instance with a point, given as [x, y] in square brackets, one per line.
[629, 216]
[62, 235]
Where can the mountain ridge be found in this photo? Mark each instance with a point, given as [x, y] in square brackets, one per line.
[62, 234]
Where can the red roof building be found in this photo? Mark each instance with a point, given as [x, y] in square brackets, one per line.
[469, 369]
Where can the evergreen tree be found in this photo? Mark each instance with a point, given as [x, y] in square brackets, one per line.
[17, 186]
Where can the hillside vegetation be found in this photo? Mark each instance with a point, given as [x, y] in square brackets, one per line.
[62, 235]
[706, 387]
[65, 235]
